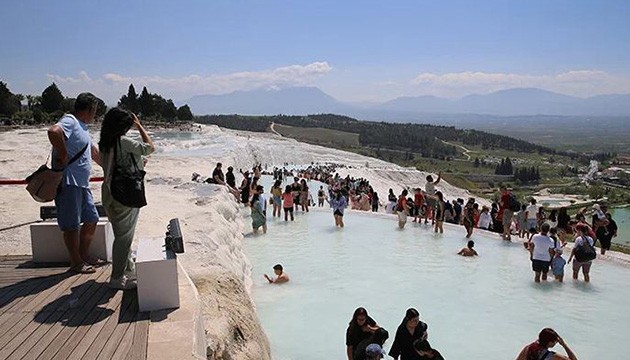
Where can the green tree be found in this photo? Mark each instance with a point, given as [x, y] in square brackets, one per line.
[33, 101]
[130, 101]
[184, 113]
[39, 116]
[52, 98]
[23, 116]
[596, 192]
[145, 103]
[509, 169]
[9, 102]
[168, 110]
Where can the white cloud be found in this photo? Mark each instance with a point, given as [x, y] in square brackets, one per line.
[575, 82]
[111, 86]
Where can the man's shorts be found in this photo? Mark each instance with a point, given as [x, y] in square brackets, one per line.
[75, 205]
[541, 266]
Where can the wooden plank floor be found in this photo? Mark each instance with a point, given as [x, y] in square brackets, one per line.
[48, 313]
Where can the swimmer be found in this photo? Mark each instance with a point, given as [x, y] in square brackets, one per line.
[281, 276]
[468, 250]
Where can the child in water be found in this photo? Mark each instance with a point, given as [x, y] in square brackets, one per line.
[281, 276]
[468, 250]
[557, 265]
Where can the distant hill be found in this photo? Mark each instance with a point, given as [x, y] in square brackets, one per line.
[294, 101]
[511, 102]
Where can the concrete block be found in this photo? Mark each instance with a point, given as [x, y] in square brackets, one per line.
[48, 246]
[156, 269]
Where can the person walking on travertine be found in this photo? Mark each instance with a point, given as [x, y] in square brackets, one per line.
[75, 205]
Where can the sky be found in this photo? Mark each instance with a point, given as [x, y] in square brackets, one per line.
[356, 51]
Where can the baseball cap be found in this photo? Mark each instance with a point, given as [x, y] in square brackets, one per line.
[374, 350]
[596, 206]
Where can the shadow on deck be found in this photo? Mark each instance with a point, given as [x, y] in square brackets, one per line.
[49, 313]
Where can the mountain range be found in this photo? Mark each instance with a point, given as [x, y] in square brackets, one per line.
[311, 100]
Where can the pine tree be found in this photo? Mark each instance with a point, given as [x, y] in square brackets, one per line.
[509, 170]
[130, 101]
[9, 102]
[169, 111]
[52, 98]
[477, 162]
[145, 103]
[184, 113]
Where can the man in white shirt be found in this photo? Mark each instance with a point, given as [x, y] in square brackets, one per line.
[542, 251]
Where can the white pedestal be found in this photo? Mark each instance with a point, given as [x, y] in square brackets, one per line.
[156, 269]
[48, 246]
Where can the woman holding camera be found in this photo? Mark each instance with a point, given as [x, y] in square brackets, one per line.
[121, 152]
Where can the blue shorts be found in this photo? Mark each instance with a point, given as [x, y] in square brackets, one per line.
[75, 205]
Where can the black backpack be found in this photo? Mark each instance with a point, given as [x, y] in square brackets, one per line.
[585, 252]
[513, 203]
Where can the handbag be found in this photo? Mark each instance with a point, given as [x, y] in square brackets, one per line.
[127, 187]
[45, 182]
[585, 252]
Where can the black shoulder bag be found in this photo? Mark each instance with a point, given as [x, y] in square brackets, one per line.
[585, 252]
[127, 187]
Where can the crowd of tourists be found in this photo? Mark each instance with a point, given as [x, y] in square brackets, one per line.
[544, 236]
[366, 339]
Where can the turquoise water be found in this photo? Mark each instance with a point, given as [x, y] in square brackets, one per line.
[622, 218]
[481, 308]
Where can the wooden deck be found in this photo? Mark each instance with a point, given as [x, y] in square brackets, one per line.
[48, 313]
